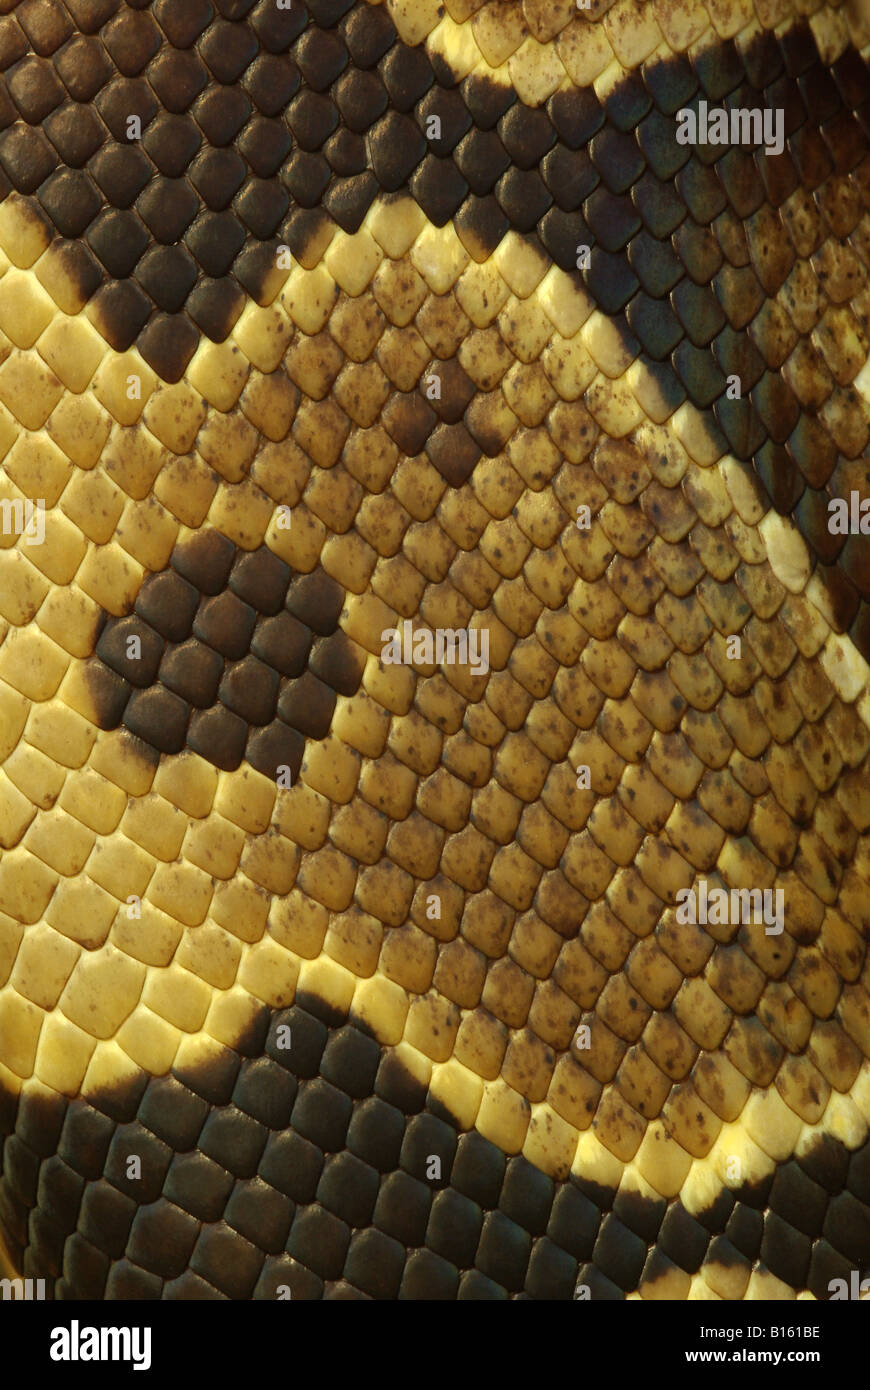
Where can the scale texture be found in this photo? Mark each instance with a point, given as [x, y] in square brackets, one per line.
[333, 977]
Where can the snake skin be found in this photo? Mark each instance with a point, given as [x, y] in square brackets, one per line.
[297, 947]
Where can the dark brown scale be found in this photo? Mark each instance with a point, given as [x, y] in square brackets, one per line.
[177, 77]
[639, 1214]
[527, 134]
[741, 182]
[261, 205]
[777, 407]
[320, 56]
[348, 200]
[158, 717]
[198, 1185]
[215, 240]
[368, 33]
[250, 691]
[317, 601]
[114, 646]
[439, 188]
[306, 176]
[226, 623]
[661, 208]
[457, 390]
[453, 452]
[110, 1213]
[227, 50]
[813, 450]
[265, 144]
[167, 207]
[220, 114]
[349, 1189]
[783, 95]
[217, 175]
[617, 158]
[234, 9]
[255, 268]
[13, 43]
[818, 95]
[162, 1239]
[739, 294]
[629, 101]
[204, 559]
[284, 643]
[108, 691]
[71, 201]
[273, 748]
[396, 147]
[121, 171]
[276, 29]
[219, 736]
[123, 98]
[167, 274]
[261, 578]
[307, 705]
[409, 420]
[482, 159]
[214, 306]
[503, 1252]
[35, 89]
[855, 561]
[46, 24]
[481, 225]
[121, 310]
[345, 153]
[810, 156]
[719, 73]
[374, 1266]
[841, 594]
[576, 116]
[407, 75]
[328, 13]
[738, 356]
[846, 142]
[570, 177]
[699, 252]
[75, 132]
[171, 142]
[192, 671]
[82, 273]
[270, 82]
[338, 662]
[118, 239]
[167, 344]
[613, 221]
[561, 233]
[312, 118]
[91, 15]
[850, 74]
[452, 114]
[302, 229]
[168, 603]
[705, 385]
[402, 1211]
[698, 311]
[781, 480]
[487, 101]
[131, 40]
[183, 25]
